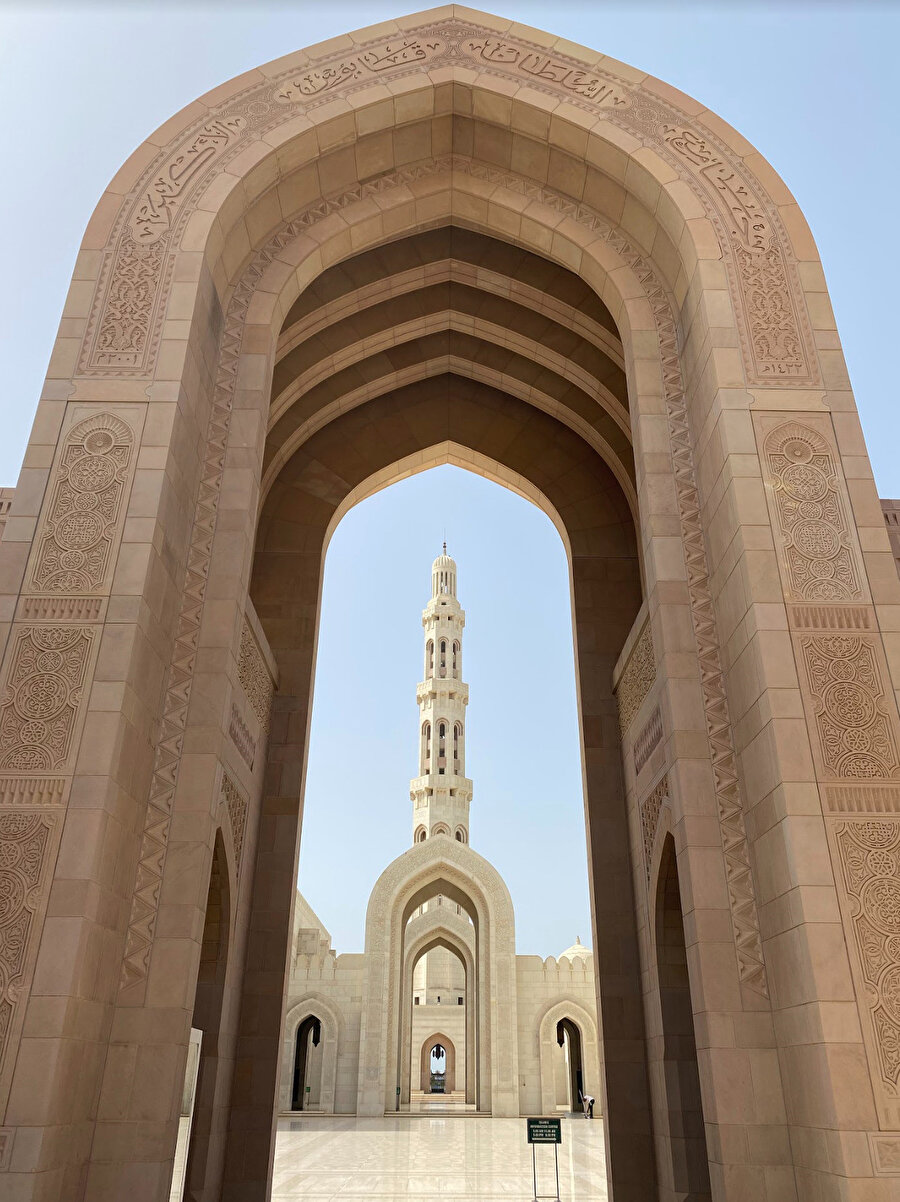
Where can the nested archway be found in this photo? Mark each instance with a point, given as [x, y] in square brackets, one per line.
[299, 1021]
[195, 259]
[572, 1014]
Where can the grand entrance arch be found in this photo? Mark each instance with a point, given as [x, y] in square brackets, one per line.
[449, 239]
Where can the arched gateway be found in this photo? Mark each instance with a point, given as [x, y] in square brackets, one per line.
[450, 239]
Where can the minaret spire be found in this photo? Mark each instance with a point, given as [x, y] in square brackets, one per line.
[441, 793]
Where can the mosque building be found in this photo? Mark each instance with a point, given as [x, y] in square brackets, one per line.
[438, 1010]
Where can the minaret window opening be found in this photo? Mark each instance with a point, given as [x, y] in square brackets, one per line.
[443, 657]
[426, 748]
[457, 738]
[429, 658]
[442, 747]
[456, 658]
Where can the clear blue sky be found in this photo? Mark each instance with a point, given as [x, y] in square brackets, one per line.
[812, 85]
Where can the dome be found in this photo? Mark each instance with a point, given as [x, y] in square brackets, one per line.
[443, 575]
[577, 951]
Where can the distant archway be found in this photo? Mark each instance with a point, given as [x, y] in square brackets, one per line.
[437, 1040]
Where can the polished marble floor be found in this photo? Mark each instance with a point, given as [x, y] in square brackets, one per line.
[464, 1158]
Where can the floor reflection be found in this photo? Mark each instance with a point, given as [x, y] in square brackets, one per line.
[423, 1157]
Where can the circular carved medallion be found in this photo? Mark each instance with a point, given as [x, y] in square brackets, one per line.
[91, 474]
[881, 902]
[78, 531]
[804, 483]
[849, 704]
[816, 539]
[41, 696]
[797, 450]
[98, 442]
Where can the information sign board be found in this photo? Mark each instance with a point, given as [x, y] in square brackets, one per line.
[544, 1131]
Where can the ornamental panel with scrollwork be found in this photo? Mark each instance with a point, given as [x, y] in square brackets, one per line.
[842, 680]
[79, 530]
[25, 837]
[42, 696]
[817, 551]
[868, 854]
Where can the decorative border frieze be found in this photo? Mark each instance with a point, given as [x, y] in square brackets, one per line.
[636, 679]
[62, 609]
[870, 798]
[242, 737]
[647, 740]
[124, 327]
[831, 617]
[33, 791]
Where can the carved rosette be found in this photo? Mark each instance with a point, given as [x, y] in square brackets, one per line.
[869, 879]
[817, 552]
[42, 696]
[82, 518]
[24, 840]
[637, 678]
[856, 726]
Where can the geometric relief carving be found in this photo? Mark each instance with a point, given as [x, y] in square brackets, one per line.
[637, 678]
[254, 676]
[869, 857]
[79, 529]
[856, 727]
[241, 737]
[236, 805]
[811, 516]
[650, 810]
[24, 839]
[885, 1154]
[39, 705]
[647, 740]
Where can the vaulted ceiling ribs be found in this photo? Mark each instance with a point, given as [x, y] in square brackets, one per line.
[440, 306]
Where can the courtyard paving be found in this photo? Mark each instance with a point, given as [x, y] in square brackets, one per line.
[426, 1157]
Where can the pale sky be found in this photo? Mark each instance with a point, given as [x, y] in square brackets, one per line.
[812, 85]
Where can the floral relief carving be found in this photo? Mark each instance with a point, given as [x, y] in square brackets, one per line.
[869, 856]
[40, 702]
[254, 676]
[79, 530]
[811, 516]
[856, 729]
[637, 678]
[24, 839]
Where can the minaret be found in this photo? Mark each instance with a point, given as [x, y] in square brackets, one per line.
[441, 792]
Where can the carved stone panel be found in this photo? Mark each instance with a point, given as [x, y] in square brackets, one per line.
[868, 856]
[637, 678]
[254, 677]
[42, 696]
[81, 522]
[236, 807]
[650, 809]
[817, 551]
[842, 680]
[25, 840]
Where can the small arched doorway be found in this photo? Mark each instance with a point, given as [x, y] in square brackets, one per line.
[568, 1039]
[437, 1061]
[685, 1136]
[307, 1081]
